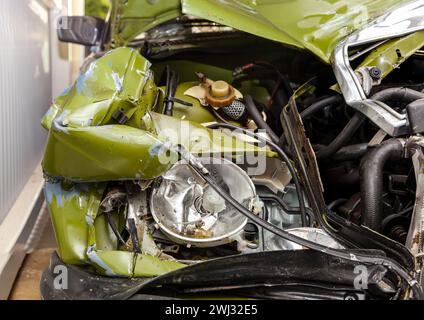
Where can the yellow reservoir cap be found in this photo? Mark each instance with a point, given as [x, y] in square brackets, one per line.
[220, 89]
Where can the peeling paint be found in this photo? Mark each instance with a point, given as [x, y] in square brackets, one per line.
[119, 86]
[94, 258]
[89, 220]
[156, 149]
[86, 146]
[54, 191]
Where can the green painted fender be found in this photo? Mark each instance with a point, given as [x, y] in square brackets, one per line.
[74, 209]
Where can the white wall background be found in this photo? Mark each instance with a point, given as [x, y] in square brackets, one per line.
[25, 93]
[34, 67]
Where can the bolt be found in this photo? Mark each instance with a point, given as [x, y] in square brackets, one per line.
[375, 73]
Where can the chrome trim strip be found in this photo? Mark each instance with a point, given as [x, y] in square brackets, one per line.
[401, 21]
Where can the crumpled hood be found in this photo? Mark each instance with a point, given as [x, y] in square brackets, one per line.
[315, 25]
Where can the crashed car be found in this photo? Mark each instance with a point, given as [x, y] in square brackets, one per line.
[235, 148]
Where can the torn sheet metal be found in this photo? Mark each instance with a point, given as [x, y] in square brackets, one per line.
[74, 209]
[88, 143]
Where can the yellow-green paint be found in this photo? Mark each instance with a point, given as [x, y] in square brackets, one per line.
[314, 25]
[392, 54]
[87, 147]
[74, 209]
[129, 18]
[197, 112]
[85, 144]
[121, 264]
[69, 205]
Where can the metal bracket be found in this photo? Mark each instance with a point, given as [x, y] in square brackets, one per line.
[403, 20]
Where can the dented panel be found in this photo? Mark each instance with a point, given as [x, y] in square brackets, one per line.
[317, 26]
[147, 179]
[87, 144]
[71, 207]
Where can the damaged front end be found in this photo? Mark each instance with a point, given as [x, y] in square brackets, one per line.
[177, 166]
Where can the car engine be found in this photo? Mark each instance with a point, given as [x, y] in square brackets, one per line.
[191, 153]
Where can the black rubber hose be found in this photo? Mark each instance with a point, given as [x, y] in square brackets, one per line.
[171, 87]
[352, 152]
[285, 82]
[398, 94]
[371, 173]
[321, 104]
[343, 254]
[256, 116]
[281, 99]
[343, 138]
[391, 94]
[336, 203]
[283, 156]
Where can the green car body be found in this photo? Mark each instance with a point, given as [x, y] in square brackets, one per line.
[86, 147]
[317, 26]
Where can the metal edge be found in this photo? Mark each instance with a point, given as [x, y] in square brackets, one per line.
[401, 21]
[16, 229]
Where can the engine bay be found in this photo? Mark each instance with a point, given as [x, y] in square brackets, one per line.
[179, 216]
[176, 155]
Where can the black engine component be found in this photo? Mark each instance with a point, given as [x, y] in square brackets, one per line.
[416, 116]
[372, 181]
